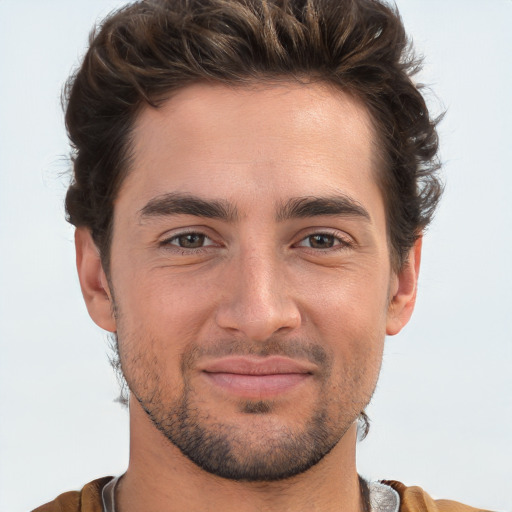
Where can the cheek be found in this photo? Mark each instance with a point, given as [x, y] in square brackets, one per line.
[349, 315]
[160, 299]
[160, 317]
[352, 301]
[354, 329]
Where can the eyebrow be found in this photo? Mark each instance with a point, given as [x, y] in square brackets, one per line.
[303, 207]
[176, 203]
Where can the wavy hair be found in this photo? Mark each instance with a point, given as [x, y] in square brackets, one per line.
[144, 52]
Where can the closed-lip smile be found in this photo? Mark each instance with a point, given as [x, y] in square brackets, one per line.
[257, 377]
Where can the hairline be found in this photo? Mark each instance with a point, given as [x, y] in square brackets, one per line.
[380, 161]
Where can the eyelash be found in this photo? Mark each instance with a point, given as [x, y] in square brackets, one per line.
[344, 243]
[184, 250]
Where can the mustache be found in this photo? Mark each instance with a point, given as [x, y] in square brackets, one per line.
[292, 348]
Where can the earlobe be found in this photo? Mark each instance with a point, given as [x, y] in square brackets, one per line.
[402, 303]
[93, 281]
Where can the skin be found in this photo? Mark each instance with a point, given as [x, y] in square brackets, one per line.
[258, 282]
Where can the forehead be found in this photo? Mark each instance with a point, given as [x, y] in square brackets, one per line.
[262, 140]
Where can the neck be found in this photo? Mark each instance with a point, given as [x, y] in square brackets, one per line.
[160, 478]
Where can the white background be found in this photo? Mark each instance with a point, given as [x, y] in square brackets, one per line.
[442, 413]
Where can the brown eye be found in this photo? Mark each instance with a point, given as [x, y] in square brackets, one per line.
[321, 241]
[189, 240]
[325, 241]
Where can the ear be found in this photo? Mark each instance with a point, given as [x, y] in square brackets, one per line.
[403, 291]
[93, 280]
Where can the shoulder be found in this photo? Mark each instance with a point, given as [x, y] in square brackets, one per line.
[415, 499]
[86, 500]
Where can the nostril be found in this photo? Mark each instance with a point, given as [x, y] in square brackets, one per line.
[258, 324]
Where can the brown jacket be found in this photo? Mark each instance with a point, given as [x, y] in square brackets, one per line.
[412, 499]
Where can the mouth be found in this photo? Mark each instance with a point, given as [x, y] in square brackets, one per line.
[257, 378]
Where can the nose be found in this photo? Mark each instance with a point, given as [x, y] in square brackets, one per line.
[258, 300]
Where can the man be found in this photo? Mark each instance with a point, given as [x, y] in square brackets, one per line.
[251, 183]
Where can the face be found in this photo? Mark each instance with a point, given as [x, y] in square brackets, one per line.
[251, 276]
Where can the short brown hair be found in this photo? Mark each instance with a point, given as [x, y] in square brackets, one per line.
[147, 50]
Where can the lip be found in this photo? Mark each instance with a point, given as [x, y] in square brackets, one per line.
[259, 378]
[247, 365]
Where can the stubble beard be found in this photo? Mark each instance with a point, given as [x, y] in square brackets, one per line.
[231, 452]
[269, 451]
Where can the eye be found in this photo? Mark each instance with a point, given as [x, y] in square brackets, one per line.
[190, 240]
[323, 241]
